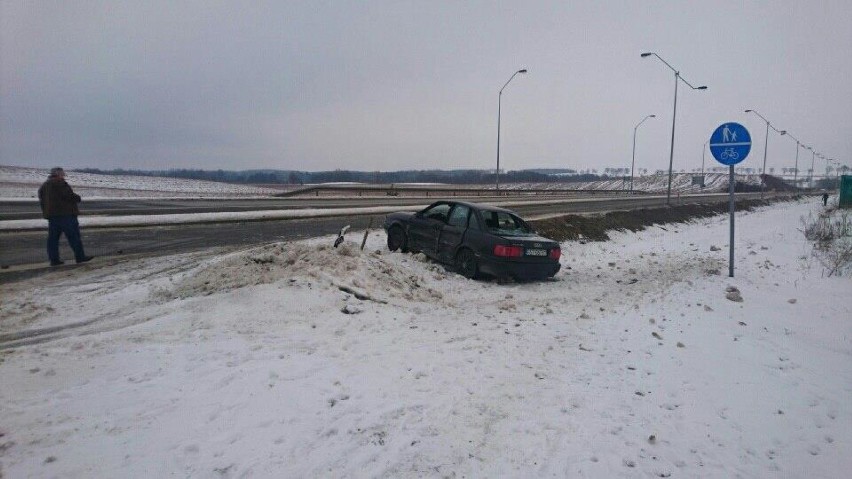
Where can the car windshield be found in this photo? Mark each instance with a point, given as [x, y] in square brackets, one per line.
[505, 224]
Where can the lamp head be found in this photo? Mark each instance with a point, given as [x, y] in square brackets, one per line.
[524, 70]
[652, 116]
[749, 111]
[647, 54]
[782, 132]
[702, 87]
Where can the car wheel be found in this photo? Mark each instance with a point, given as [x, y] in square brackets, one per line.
[466, 264]
[397, 239]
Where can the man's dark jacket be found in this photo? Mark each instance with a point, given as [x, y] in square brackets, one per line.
[57, 198]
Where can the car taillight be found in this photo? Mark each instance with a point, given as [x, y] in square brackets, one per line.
[555, 253]
[508, 251]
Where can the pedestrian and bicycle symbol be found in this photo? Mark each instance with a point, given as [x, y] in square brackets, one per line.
[730, 143]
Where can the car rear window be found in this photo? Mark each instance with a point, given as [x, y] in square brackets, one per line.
[505, 224]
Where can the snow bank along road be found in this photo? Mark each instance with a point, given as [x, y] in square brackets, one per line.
[172, 234]
[300, 360]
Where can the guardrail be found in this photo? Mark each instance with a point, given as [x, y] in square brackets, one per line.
[392, 190]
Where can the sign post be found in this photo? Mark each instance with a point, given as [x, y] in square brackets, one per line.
[730, 144]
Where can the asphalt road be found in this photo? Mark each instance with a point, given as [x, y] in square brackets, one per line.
[28, 248]
[17, 210]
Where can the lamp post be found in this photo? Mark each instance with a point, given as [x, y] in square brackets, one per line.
[633, 162]
[765, 145]
[811, 175]
[836, 165]
[796, 167]
[499, 98]
[674, 114]
[797, 170]
[703, 151]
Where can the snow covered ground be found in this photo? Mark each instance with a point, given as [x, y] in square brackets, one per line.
[259, 363]
[681, 183]
[23, 182]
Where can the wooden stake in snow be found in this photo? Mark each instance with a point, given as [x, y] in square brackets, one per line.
[366, 232]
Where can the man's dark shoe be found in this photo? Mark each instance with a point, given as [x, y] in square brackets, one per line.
[57, 263]
[84, 259]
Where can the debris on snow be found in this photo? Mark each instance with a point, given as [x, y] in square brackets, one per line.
[351, 309]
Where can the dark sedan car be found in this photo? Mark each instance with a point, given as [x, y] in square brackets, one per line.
[476, 239]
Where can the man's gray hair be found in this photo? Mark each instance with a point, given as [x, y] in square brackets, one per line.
[58, 171]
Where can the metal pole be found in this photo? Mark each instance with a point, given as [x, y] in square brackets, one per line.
[703, 151]
[796, 167]
[837, 180]
[811, 181]
[497, 172]
[763, 175]
[633, 162]
[731, 201]
[499, 98]
[671, 151]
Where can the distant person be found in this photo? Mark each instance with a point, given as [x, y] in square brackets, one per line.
[59, 207]
[825, 199]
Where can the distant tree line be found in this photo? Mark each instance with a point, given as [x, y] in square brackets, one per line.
[381, 177]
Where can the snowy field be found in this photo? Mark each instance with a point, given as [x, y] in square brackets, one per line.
[681, 183]
[265, 363]
[22, 182]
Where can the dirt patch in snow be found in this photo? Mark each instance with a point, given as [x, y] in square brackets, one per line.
[595, 227]
[367, 274]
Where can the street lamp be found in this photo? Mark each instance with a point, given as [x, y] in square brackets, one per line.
[674, 114]
[499, 98]
[814, 154]
[765, 145]
[836, 165]
[811, 172]
[633, 163]
[796, 167]
[703, 151]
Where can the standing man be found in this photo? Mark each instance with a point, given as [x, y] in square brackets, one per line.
[59, 207]
[825, 198]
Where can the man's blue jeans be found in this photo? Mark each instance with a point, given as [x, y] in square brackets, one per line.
[56, 225]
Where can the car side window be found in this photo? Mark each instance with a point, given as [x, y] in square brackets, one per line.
[458, 217]
[438, 212]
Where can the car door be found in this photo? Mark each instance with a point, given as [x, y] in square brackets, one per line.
[425, 228]
[452, 233]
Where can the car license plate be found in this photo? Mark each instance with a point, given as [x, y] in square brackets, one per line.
[536, 252]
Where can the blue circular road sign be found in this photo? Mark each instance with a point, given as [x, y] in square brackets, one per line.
[730, 143]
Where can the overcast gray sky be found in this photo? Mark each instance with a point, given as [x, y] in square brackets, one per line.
[399, 85]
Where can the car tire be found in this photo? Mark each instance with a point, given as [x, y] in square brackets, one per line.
[397, 239]
[466, 264]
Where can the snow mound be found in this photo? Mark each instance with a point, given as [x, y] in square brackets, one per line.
[367, 275]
